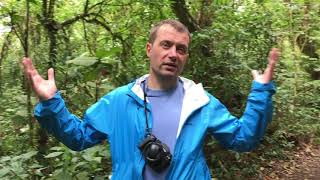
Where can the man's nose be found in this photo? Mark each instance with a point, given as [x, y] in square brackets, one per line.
[173, 53]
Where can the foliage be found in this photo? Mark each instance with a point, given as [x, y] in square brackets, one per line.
[62, 163]
[17, 167]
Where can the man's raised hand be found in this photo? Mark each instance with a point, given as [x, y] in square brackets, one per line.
[44, 89]
[266, 77]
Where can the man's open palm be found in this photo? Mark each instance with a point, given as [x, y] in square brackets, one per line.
[45, 89]
[266, 77]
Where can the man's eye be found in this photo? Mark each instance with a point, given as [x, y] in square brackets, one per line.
[165, 45]
[182, 50]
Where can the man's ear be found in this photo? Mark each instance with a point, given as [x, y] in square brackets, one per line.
[148, 49]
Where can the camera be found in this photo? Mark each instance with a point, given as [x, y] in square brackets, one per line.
[156, 154]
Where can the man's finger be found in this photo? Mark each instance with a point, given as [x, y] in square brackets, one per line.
[274, 56]
[31, 80]
[29, 68]
[25, 62]
[51, 74]
[255, 74]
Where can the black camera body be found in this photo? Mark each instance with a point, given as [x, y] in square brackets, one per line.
[156, 154]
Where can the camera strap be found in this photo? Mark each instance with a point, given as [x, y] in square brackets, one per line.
[156, 154]
[148, 130]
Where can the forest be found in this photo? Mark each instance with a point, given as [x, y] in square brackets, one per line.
[97, 45]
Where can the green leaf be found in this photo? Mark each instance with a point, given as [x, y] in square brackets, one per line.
[91, 75]
[38, 171]
[56, 148]
[28, 155]
[109, 60]
[4, 172]
[37, 166]
[5, 158]
[98, 159]
[60, 174]
[23, 176]
[87, 157]
[20, 98]
[59, 164]
[203, 36]
[22, 113]
[82, 176]
[83, 61]
[111, 52]
[80, 164]
[10, 110]
[15, 158]
[54, 154]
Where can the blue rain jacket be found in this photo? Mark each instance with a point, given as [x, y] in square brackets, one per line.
[119, 117]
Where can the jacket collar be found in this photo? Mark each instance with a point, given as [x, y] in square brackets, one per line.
[194, 97]
[136, 87]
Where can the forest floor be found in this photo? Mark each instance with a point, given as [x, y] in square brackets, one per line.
[303, 164]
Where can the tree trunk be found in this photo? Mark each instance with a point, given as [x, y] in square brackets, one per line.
[51, 27]
[28, 88]
[52, 47]
[3, 54]
[205, 14]
[181, 11]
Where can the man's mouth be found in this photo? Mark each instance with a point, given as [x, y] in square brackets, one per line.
[171, 65]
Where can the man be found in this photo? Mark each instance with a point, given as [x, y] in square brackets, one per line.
[175, 110]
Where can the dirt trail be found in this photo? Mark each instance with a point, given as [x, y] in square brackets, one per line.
[304, 164]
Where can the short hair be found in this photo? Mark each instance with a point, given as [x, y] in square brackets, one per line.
[174, 23]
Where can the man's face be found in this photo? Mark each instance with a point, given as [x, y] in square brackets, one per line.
[169, 52]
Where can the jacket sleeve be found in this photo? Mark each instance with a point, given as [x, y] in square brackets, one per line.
[77, 134]
[245, 133]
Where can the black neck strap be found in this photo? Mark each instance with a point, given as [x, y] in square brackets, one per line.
[148, 130]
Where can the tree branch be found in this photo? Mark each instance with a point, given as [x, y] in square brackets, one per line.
[85, 9]
[114, 35]
[83, 15]
[17, 34]
[74, 19]
[96, 21]
[86, 37]
[97, 4]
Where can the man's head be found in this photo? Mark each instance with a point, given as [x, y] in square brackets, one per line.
[167, 49]
[173, 23]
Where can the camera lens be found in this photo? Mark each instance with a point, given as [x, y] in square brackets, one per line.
[154, 151]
